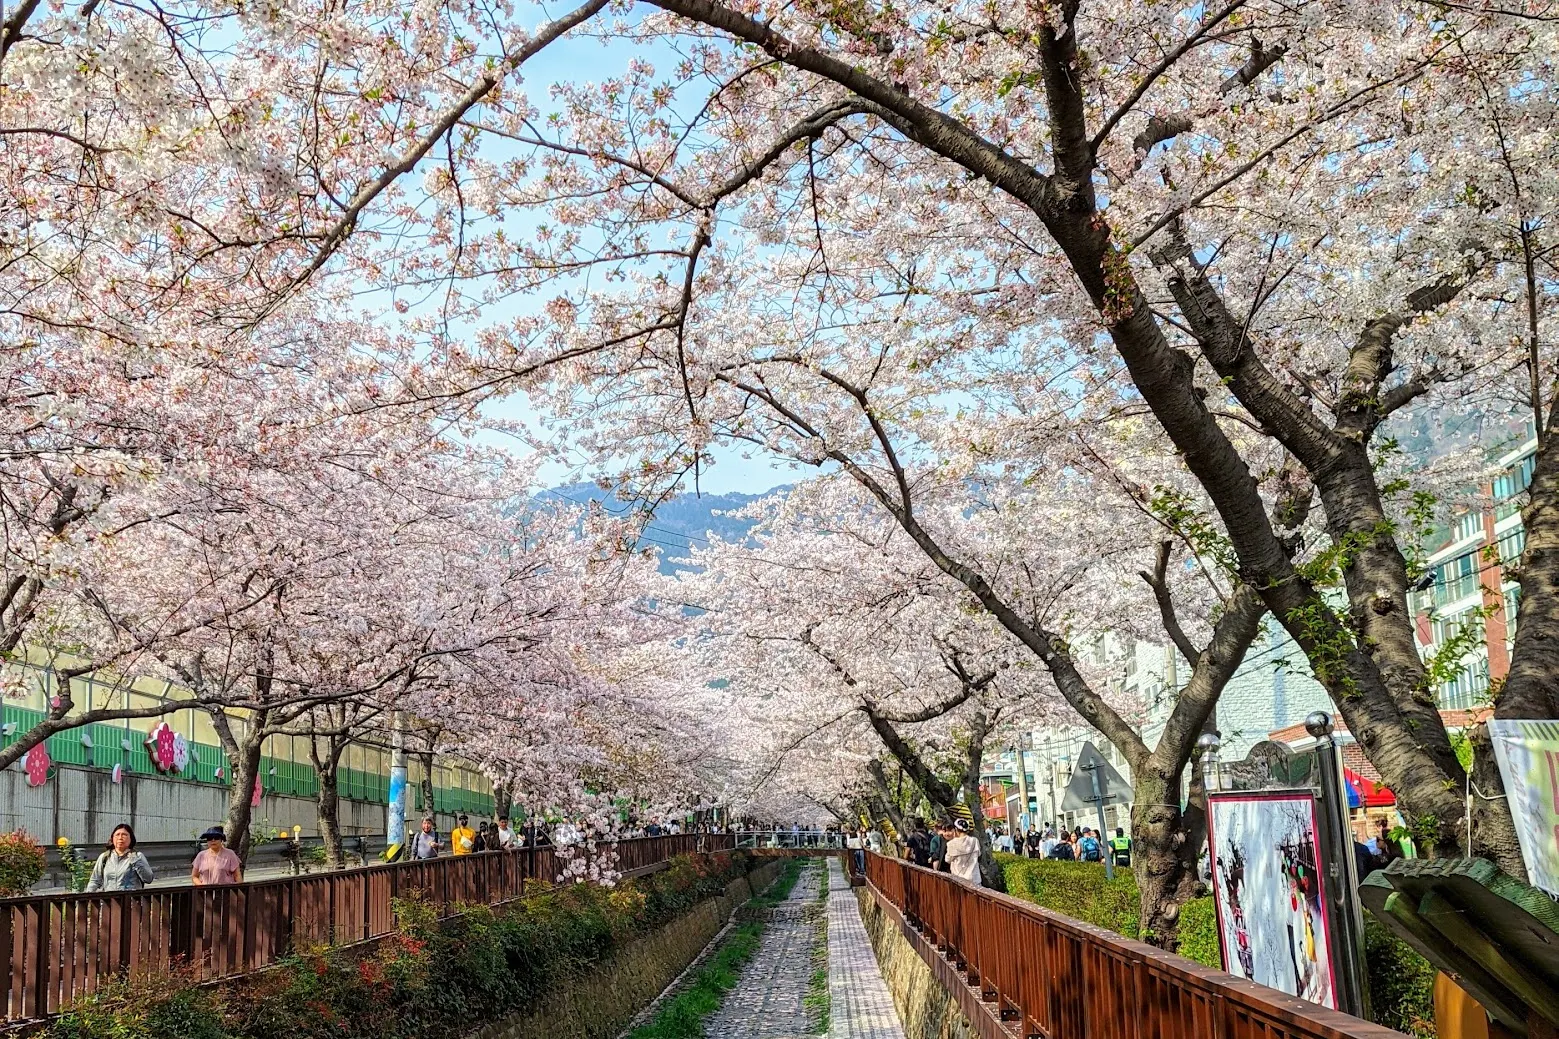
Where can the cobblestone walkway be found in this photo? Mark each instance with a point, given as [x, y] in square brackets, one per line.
[860, 1006]
[767, 1001]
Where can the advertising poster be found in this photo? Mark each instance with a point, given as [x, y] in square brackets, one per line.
[1528, 756]
[1267, 885]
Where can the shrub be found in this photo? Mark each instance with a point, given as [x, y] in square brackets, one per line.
[422, 981]
[1199, 932]
[1401, 982]
[21, 863]
[1076, 889]
[152, 1006]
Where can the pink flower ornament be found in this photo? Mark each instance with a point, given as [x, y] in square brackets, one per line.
[160, 745]
[37, 764]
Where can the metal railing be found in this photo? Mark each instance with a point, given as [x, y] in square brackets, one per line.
[1026, 971]
[57, 948]
[788, 839]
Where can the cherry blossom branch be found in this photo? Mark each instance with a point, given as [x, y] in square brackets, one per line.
[1158, 580]
[473, 96]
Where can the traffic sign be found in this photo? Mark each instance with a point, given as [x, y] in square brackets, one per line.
[1080, 790]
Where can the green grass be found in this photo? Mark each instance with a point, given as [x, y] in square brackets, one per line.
[683, 1015]
[817, 1000]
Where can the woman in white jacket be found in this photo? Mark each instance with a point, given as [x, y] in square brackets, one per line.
[963, 854]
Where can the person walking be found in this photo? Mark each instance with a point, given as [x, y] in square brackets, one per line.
[504, 833]
[917, 844]
[938, 847]
[1120, 847]
[462, 839]
[120, 867]
[963, 854]
[425, 844]
[1062, 849]
[1088, 848]
[856, 844]
[216, 864]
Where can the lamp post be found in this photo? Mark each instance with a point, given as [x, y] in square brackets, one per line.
[1343, 886]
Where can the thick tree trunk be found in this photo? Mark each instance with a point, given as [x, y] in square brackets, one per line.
[1166, 843]
[240, 810]
[425, 757]
[991, 874]
[328, 805]
[1530, 690]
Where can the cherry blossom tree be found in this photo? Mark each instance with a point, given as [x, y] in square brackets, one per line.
[1275, 228]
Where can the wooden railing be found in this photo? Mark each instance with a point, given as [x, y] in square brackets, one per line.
[1018, 970]
[57, 948]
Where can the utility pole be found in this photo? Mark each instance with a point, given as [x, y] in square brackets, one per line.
[395, 808]
[1098, 803]
[1023, 783]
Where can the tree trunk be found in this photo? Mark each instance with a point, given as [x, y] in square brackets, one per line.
[240, 813]
[328, 803]
[243, 758]
[425, 757]
[1166, 843]
[503, 797]
[991, 874]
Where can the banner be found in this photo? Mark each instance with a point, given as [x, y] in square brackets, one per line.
[1273, 921]
[1528, 756]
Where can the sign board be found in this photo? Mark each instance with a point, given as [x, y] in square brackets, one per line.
[1274, 922]
[1079, 791]
[1528, 756]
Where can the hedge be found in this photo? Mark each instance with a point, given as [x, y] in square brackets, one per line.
[431, 979]
[1401, 981]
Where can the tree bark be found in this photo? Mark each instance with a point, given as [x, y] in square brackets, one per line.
[991, 873]
[327, 801]
[425, 758]
[244, 760]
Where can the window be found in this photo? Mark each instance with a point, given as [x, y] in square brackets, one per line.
[1512, 606]
[1456, 578]
[1468, 689]
[1511, 544]
[1509, 486]
[1467, 525]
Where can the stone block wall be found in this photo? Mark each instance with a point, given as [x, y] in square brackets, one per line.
[600, 1004]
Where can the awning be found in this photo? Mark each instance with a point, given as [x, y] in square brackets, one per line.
[1364, 793]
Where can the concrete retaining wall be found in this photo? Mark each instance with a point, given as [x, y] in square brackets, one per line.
[600, 1004]
[925, 1008]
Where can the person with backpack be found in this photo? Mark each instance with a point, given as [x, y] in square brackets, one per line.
[1089, 849]
[121, 867]
[1062, 849]
[1120, 847]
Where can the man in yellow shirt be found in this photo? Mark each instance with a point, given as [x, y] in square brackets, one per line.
[462, 839]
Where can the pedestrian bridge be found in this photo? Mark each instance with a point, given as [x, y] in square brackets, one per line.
[1013, 969]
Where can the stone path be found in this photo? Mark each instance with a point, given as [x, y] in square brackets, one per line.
[860, 1006]
[767, 1001]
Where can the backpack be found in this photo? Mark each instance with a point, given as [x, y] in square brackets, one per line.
[1090, 848]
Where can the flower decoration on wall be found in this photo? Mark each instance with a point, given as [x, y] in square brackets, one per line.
[37, 765]
[180, 752]
[160, 745]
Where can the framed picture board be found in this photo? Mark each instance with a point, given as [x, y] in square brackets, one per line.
[1268, 874]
